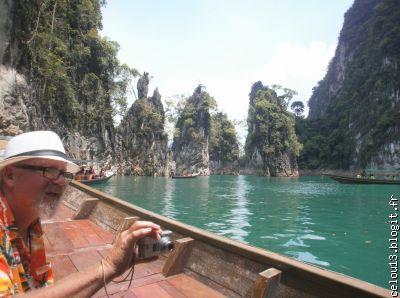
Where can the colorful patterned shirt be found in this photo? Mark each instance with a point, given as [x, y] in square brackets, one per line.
[22, 267]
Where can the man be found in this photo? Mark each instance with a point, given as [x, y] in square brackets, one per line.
[33, 176]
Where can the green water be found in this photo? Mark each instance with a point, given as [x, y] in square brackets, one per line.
[312, 219]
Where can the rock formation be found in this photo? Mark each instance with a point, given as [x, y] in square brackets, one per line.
[223, 146]
[13, 92]
[52, 78]
[143, 142]
[190, 146]
[271, 144]
[358, 101]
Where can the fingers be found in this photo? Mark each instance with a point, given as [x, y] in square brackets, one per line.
[141, 229]
[144, 224]
[121, 256]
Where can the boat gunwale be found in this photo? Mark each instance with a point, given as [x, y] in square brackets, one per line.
[260, 255]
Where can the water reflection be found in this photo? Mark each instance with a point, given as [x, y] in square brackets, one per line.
[239, 214]
[168, 196]
[299, 238]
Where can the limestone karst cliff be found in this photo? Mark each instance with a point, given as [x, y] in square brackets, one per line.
[223, 146]
[58, 73]
[271, 143]
[354, 117]
[190, 146]
[143, 142]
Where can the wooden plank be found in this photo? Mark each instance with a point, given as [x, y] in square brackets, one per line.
[85, 208]
[115, 292]
[170, 289]
[267, 283]
[85, 227]
[62, 266]
[192, 288]
[106, 236]
[145, 269]
[85, 259]
[125, 224]
[58, 239]
[138, 282]
[75, 235]
[120, 289]
[177, 259]
[152, 290]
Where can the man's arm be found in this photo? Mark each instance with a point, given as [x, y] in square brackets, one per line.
[80, 284]
[120, 258]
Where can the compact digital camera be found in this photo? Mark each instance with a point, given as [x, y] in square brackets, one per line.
[149, 247]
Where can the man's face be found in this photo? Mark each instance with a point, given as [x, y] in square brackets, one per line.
[37, 194]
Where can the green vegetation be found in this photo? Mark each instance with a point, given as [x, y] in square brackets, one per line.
[270, 125]
[149, 121]
[194, 123]
[195, 117]
[297, 107]
[351, 121]
[75, 73]
[223, 144]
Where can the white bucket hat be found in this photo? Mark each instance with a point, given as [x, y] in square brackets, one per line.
[36, 144]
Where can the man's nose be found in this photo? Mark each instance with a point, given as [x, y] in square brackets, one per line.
[60, 180]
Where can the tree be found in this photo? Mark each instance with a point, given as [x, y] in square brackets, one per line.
[223, 144]
[297, 107]
[75, 75]
[174, 106]
[285, 95]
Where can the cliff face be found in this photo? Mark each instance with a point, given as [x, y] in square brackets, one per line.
[190, 146]
[5, 26]
[358, 101]
[271, 143]
[40, 80]
[58, 74]
[223, 146]
[143, 142]
[350, 44]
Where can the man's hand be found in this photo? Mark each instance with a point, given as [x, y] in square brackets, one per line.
[121, 257]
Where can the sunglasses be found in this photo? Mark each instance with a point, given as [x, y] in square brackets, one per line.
[48, 172]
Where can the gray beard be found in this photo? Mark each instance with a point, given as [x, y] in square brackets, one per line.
[46, 209]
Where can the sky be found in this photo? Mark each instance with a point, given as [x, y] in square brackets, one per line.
[226, 45]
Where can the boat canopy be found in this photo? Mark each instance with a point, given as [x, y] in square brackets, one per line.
[393, 171]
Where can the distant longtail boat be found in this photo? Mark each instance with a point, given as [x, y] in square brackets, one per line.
[362, 180]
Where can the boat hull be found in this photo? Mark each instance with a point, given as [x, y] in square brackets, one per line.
[352, 180]
[184, 177]
[232, 268]
[96, 180]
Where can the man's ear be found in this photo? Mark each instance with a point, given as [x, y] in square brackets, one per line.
[7, 176]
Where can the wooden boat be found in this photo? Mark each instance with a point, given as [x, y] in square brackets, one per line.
[355, 180]
[183, 176]
[89, 179]
[202, 264]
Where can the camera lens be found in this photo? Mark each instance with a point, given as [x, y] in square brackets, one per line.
[170, 246]
[166, 244]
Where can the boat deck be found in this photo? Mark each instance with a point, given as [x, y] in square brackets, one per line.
[75, 245]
